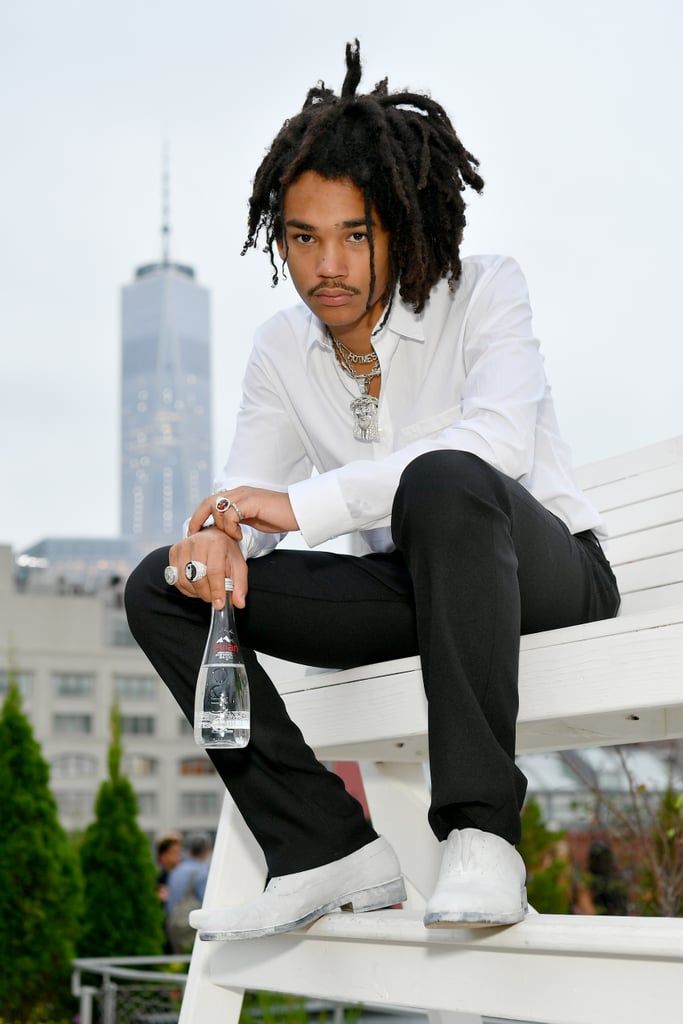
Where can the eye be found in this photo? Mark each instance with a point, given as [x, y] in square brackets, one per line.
[359, 236]
[303, 239]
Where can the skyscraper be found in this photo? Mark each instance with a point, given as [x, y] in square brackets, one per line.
[165, 398]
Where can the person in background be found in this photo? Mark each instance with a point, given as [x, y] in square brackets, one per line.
[169, 852]
[169, 849]
[186, 885]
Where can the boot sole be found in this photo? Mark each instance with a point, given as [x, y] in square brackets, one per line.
[476, 919]
[376, 897]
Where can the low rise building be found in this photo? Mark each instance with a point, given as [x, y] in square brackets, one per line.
[73, 655]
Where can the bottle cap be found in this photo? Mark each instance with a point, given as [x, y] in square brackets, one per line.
[229, 585]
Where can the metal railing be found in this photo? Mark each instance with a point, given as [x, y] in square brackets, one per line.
[136, 990]
[129, 990]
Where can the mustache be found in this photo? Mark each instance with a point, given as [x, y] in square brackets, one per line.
[333, 286]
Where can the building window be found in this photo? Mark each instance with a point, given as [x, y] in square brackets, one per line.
[119, 633]
[135, 687]
[75, 804]
[24, 681]
[198, 803]
[139, 767]
[195, 766]
[73, 684]
[69, 725]
[148, 803]
[185, 728]
[73, 766]
[138, 725]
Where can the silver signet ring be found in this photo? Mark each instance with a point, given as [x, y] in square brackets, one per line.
[195, 571]
[171, 575]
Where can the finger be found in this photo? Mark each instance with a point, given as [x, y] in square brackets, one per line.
[185, 554]
[231, 526]
[240, 574]
[215, 577]
[228, 521]
[200, 515]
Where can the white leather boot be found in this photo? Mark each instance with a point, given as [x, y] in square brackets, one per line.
[481, 883]
[368, 879]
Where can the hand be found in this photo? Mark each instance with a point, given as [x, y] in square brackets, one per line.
[222, 556]
[269, 511]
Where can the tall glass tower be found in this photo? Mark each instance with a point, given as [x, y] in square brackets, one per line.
[165, 398]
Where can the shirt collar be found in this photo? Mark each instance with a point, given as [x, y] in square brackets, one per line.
[403, 321]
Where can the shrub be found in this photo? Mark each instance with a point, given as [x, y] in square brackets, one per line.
[123, 915]
[40, 888]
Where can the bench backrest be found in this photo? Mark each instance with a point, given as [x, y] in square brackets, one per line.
[640, 494]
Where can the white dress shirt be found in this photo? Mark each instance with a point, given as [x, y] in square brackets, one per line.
[465, 374]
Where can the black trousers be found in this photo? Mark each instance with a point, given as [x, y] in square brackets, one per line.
[478, 562]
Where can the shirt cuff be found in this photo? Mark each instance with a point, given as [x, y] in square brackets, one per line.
[320, 509]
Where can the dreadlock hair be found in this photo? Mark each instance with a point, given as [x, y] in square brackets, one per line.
[401, 150]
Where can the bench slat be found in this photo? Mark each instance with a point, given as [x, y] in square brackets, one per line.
[617, 687]
[621, 969]
[650, 572]
[618, 467]
[645, 515]
[654, 484]
[661, 540]
[649, 600]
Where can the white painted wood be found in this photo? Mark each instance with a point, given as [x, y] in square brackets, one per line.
[581, 686]
[661, 540]
[398, 799]
[236, 875]
[653, 572]
[555, 969]
[616, 681]
[652, 484]
[444, 1017]
[644, 515]
[646, 600]
[640, 460]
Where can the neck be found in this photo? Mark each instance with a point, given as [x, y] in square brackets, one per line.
[357, 337]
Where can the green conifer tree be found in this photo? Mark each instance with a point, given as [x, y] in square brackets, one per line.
[123, 915]
[40, 891]
[549, 880]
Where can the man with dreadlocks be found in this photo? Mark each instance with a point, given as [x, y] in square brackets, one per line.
[411, 382]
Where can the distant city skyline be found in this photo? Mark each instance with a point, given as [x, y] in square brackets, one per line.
[164, 422]
[165, 418]
[165, 402]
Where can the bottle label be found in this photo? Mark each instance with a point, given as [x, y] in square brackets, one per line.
[223, 647]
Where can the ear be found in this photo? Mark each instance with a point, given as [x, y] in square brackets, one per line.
[281, 248]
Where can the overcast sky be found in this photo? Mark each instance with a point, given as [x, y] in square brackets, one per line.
[572, 108]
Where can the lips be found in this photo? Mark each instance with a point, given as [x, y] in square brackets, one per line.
[333, 298]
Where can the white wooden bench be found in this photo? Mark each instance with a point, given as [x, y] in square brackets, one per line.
[617, 681]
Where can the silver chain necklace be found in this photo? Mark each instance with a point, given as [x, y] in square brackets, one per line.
[364, 409]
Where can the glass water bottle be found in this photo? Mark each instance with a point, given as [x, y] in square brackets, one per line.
[221, 708]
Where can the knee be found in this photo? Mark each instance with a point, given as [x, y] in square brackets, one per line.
[144, 582]
[441, 473]
[438, 485]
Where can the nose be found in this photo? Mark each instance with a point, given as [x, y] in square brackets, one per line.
[332, 262]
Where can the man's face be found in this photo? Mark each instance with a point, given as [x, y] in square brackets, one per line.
[327, 251]
[172, 856]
